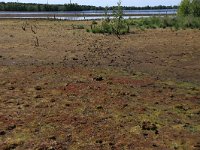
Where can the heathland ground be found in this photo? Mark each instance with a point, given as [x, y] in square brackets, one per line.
[64, 88]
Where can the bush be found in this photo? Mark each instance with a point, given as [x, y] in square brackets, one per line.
[116, 26]
[184, 8]
[195, 8]
[189, 8]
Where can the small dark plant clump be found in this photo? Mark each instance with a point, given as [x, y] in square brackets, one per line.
[98, 78]
[36, 41]
[38, 88]
[146, 125]
[2, 133]
[24, 25]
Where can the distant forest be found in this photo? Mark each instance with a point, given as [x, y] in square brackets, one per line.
[66, 7]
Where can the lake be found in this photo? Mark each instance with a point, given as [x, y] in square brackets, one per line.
[85, 15]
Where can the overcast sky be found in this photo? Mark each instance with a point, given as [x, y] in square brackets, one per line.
[105, 2]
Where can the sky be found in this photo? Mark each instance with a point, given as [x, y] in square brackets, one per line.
[104, 2]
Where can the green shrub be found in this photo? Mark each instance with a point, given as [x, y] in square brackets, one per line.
[116, 26]
[184, 8]
[191, 22]
[87, 30]
[195, 8]
[106, 27]
[189, 8]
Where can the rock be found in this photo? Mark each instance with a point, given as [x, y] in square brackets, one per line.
[38, 88]
[177, 121]
[11, 88]
[11, 146]
[38, 96]
[145, 135]
[68, 138]
[67, 105]
[37, 130]
[11, 127]
[111, 144]
[2, 133]
[98, 78]
[99, 141]
[197, 145]
[133, 95]
[99, 107]
[52, 100]
[155, 145]
[125, 105]
[149, 126]
[110, 83]
[52, 138]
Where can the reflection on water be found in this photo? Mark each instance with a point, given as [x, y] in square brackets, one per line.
[84, 15]
[74, 18]
[96, 17]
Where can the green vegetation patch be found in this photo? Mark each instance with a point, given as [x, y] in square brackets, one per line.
[189, 8]
[165, 22]
[117, 25]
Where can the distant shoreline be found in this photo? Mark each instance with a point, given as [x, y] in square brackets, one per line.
[34, 7]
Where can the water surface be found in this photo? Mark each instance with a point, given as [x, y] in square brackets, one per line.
[85, 15]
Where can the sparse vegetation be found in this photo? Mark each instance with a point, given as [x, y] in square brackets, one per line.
[36, 42]
[33, 28]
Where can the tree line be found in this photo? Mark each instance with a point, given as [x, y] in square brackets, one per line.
[10, 6]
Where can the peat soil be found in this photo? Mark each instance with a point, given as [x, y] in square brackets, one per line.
[64, 88]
